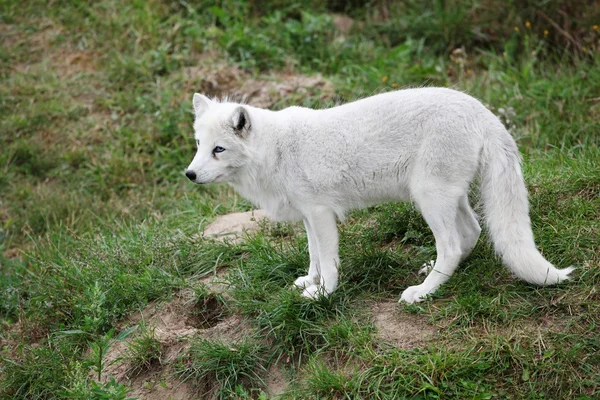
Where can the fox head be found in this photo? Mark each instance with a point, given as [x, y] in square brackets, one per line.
[221, 131]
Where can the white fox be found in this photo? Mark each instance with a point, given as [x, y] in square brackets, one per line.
[421, 145]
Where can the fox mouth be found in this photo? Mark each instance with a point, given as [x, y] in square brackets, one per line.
[214, 180]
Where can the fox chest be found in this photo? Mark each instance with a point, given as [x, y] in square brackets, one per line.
[276, 205]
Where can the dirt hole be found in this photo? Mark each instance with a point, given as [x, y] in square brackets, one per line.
[207, 312]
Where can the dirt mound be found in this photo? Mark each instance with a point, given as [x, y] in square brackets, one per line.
[232, 226]
[226, 81]
[173, 324]
[405, 331]
[46, 46]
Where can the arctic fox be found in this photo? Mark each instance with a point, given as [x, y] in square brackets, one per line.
[422, 145]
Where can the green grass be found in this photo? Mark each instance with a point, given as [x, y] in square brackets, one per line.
[97, 220]
[144, 351]
[225, 368]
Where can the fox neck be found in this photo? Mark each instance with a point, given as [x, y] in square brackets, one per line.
[257, 180]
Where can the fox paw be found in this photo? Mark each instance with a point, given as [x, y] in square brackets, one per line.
[313, 292]
[415, 294]
[305, 281]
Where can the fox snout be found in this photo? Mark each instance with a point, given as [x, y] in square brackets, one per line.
[191, 175]
[201, 177]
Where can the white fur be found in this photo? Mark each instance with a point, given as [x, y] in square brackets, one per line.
[421, 145]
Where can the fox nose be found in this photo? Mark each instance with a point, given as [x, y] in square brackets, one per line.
[190, 174]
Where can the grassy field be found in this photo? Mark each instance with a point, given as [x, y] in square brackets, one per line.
[98, 223]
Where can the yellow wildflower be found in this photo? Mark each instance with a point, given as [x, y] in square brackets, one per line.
[516, 29]
[595, 27]
[546, 32]
[528, 24]
[384, 79]
[394, 85]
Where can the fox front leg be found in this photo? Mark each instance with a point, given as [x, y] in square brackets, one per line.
[323, 229]
[313, 277]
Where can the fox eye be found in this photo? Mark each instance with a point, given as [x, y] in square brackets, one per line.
[218, 149]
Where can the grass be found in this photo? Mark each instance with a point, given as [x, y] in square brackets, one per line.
[96, 219]
[231, 366]
[144, 351]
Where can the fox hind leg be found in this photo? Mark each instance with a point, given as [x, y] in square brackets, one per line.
[439, 204]
[468, 227]
[469, 231]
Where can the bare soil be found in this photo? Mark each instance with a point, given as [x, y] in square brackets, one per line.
[405, 331]
[234, 226]
[225, 81]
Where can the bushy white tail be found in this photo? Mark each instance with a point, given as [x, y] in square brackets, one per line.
[506, 211]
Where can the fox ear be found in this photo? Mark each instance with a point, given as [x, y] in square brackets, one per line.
[241, 122]
[200, 103]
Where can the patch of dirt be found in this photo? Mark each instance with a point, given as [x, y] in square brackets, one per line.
[214, 80]
[161, 387]
[276, 382]
[233, 226]
[64, 58]
[233, 83]
[71, 61]
[342, 22]
[175, 322]
[266, 94]
[405, 331]
[530, 328]
[216, 282]
[48, 51]
[10, 338]
[12, 335]
[11, 253]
